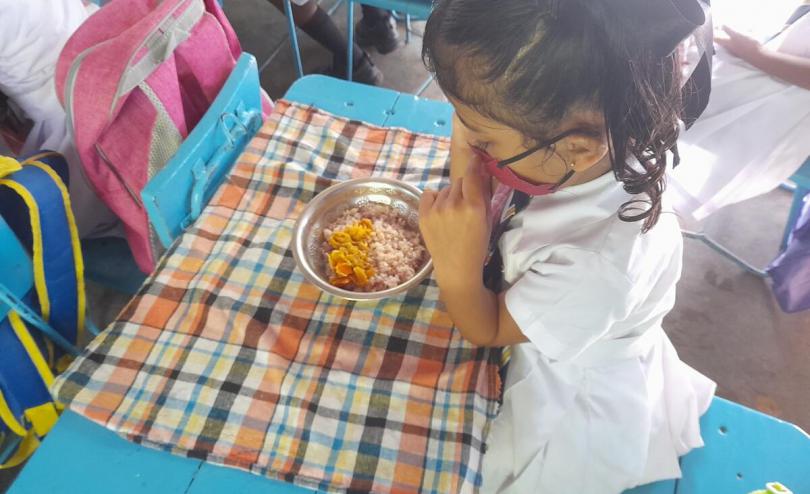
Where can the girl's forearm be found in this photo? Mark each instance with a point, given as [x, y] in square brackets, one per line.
[480, 315]
[789, 68]
[474, 311]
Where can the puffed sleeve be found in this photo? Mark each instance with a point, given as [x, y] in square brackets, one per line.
[569, 301]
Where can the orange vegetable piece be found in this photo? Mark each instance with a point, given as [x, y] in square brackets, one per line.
[340, 281]
[360, 276]
[349, 259]
[343, 269]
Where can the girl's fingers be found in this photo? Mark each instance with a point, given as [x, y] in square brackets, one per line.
[455, 190]
[441, 198]
[730, 31]
[720, 37]
[426, 202]
[474, 182]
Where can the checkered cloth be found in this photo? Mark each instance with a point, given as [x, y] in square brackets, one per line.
[227, 354]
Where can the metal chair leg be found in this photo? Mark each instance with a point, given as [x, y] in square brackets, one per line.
[299, 68]
[425, 85]
[726, 253]
[409, 31]
[350, 36]
[91, 326]
[796, 206]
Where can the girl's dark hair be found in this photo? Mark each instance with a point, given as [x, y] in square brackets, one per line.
[530, 63]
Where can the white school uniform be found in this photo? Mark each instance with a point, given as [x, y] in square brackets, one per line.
[752, 136]
[597, 401]
[32, 34]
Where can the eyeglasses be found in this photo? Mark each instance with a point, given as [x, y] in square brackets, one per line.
[498, 168]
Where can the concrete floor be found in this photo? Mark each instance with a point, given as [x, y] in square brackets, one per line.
[726, 323]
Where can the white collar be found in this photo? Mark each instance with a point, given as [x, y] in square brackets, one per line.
[553, 218]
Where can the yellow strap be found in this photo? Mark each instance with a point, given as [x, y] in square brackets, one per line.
[42, 417]
[8, 166]
[28, 445]
[31, 348]
[39, 156]
[8, 418]
[36, 231]
[74, 240]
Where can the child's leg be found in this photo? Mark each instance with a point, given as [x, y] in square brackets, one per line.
[375, 15]
[317, 24]
[377, 29]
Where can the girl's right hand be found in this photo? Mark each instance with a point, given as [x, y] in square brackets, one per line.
[455, 226]
[460, 153]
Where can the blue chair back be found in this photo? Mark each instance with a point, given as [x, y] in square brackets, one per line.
[175, 196]
[374, 105]
[744, 450]
[802, 176]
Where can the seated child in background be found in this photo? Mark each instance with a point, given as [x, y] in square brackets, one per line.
[754, 132]
[377, 28]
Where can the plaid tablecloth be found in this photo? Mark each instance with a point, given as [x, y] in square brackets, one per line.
[228, 355]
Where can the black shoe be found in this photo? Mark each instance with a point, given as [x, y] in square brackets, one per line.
[364, 71]
[381, 35]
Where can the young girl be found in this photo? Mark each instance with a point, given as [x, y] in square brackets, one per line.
[565, 115]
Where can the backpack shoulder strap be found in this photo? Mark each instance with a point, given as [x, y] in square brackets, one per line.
[27, 410]
[35, 203]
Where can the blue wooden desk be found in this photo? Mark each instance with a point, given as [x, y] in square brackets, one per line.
[744, 449]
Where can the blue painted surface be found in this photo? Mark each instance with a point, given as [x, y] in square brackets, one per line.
[212, 479]
[422, 115]
[378, 106]
[174, 197]
[802, 176]
[18, 276]
[665, 487]
[802, 180]
[354, 101]
[744, 450]
[299, 67]
[81, 457]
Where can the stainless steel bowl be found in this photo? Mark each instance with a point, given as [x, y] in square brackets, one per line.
[328, 205]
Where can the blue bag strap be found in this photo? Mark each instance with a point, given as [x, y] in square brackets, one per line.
[54, 241]
[27, 410]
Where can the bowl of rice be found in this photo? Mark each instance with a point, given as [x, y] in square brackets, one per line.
[360, 239]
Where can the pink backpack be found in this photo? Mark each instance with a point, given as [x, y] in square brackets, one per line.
[135, 79]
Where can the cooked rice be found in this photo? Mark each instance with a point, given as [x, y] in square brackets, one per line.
[396, 252]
